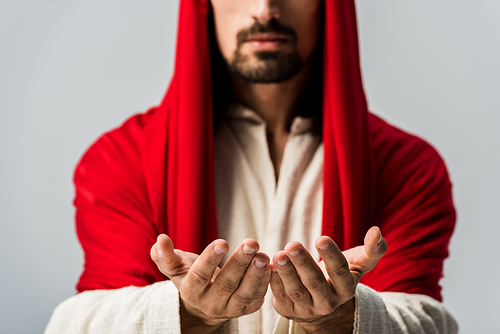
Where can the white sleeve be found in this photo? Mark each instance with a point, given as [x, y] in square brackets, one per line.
[400, 313]
[150, 309]
[391, 313]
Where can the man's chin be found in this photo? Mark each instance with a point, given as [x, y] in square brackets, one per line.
[268, 68]
[264, 76]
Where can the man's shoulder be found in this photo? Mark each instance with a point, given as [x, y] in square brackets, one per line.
[133, 133]
[127, 148]
[405, 162]
[139, 128]
[392, 143]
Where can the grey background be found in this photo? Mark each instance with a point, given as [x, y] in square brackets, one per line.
[70, 70]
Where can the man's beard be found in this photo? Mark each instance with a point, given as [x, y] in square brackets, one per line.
[271, 66]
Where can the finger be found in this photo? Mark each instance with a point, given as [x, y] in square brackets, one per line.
[337, 267]
[247, 297]
[229, 278]
[364, 258]
[262, 290]
[310, 274]
[202, 270]
[294, 288]
[260, 295]
[162, 253]
[281, 301]
[375, 244]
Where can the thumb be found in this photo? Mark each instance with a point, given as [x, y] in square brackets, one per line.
[362, 259]
[375, 245]
[163, 254]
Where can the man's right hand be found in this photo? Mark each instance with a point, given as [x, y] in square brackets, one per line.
[209, 295]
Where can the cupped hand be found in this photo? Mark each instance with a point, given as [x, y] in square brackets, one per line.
[321, 296]
[211, 295]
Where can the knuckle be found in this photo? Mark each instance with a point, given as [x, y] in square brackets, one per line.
[209, 261]
[240, 265]
[243, 300]
[252, 279]
[280, 295]
[297, 294]
[199, 278]
[288, 273]
[342, 269]
[302, 262]
[316, 283]
[226, 285]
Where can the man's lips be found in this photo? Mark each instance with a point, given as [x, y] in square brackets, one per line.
[266, 37]
[266, 41]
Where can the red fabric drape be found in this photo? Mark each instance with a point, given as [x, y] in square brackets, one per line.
[190, 166]
[348, 187]
[155, 174]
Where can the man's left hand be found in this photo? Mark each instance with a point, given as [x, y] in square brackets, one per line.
[321, 296]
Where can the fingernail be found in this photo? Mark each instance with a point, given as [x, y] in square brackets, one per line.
[219, 250]
[325, 246]
[248, 250]
[282, 262]
[158, 249]
[381, 241]
[260, 264]
[295, 252]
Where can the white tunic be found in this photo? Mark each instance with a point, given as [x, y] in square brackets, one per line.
[251, 204]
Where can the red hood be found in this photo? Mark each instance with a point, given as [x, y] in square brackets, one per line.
[190, 175]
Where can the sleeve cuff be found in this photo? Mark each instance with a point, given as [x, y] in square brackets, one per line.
[164, 309]
[370, 315]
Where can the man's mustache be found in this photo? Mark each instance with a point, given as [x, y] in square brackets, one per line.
[271, 26]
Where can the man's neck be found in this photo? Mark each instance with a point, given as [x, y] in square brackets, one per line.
[276, 103]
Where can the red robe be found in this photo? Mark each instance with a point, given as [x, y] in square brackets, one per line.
[155, 174]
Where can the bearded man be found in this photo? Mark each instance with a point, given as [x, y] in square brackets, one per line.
[263, 140]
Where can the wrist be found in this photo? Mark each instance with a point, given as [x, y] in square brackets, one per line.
[340, 321]
[193, 321]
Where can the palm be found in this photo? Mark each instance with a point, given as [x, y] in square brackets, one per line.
[357, 260]
[181, 265]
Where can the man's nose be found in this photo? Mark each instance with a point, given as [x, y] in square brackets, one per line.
[265, 10]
